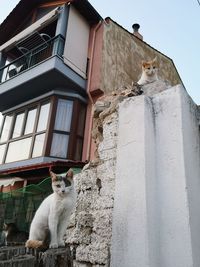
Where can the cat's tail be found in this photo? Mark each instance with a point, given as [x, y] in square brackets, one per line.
[34, 244]
[41, 244]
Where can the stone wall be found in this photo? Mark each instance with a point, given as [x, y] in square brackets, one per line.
[122, 58]
[91, 228]
[90, 232]
[138, 202]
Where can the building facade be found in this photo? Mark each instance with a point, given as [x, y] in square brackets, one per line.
[43, 88]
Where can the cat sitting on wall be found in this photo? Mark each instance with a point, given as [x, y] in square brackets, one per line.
[53, 215]
[149, 72]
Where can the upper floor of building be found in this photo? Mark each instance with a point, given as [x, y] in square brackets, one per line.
[55, 62]
[43, 45]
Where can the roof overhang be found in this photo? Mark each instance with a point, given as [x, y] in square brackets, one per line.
[40, 169]
[26, 6]
[29, 30]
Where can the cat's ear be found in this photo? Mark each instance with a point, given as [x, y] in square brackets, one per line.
[53, 176]
[154, 60]
[70, 174]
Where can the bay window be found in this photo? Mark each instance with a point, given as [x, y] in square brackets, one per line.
[21, 133]
[52, 128]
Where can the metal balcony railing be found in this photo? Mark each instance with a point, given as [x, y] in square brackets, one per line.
[52, 47]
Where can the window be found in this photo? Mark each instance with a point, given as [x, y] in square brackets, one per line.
[23, 133]
[38, 145]
[62, 127]
[52, 128]
[30, 121]
[6, 128]
[18, 150]
[2, 151]
[42, 123]
[68, 129]
[63, 115]
[18, 125]
[59, 145]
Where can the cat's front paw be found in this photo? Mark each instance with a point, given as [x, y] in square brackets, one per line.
[61, 244]
[53, 245]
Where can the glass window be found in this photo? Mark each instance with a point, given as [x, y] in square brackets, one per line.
[64, 115]
[18, 125]
[38, 145]
[59, 145]
[30, 122]
[6, 129]
[43, 118]
[2, 151]
[19, 150]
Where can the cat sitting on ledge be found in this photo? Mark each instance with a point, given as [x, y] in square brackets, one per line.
[52, 217]
[149, 72]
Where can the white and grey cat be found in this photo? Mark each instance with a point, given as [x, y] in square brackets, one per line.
[52, 216]
[149, 72]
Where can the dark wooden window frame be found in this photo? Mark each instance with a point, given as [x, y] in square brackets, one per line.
[73, 129]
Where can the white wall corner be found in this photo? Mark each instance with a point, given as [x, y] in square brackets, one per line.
[156, 212]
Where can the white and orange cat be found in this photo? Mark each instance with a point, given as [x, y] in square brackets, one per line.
[149, 72]
[53, 215]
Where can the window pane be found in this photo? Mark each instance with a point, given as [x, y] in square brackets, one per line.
[18, 150]
[38, 145]
[43, 119]
[64, 115]
[2, 150]
[59, 145]
[18, 125]
[30, 122]
[81, 121]
[6, 129]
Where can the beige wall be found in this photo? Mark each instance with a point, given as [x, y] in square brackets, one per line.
[122, 56]
[76, 45]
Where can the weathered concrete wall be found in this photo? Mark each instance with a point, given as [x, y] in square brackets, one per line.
[138, 203]
[156, 208]
[91, 229]
[122, 57]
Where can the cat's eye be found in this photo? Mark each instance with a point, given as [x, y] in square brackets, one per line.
[149, 68]
[154, 67]
[58, 185]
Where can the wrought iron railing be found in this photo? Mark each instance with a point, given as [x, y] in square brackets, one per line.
[54, 46]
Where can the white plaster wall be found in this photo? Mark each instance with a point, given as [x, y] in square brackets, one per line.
[156, 219]
[190, 119]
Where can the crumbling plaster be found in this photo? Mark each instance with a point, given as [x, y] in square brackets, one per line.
[91, 227]
[90, 232]
[138, 202]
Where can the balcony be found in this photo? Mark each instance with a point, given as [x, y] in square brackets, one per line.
[30, 58]
[39, 70]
